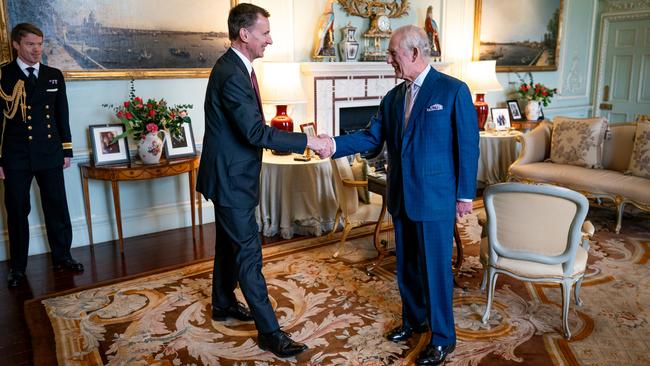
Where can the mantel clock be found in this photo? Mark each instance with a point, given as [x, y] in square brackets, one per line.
[379, 12]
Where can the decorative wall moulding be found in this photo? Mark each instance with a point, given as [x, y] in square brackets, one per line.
[627, 4]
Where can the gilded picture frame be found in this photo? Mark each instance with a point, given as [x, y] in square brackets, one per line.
[87, 43]
[309, 129]
[522, 38]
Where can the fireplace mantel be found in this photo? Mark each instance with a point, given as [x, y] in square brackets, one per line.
[317, 69]
[336, 85]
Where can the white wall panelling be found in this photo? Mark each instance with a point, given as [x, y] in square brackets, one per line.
[293, 25]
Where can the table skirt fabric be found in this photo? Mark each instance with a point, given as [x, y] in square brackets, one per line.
[296, 198]
[498, 151]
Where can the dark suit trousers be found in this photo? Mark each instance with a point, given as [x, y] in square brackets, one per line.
[238, 258]
[55, 210]
[424, 275]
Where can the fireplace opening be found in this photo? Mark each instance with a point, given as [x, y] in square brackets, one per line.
[353, 119]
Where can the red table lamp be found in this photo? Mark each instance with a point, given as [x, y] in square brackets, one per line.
[481, 77]
[281, 86]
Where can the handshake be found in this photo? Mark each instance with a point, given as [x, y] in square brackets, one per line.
[322, 145]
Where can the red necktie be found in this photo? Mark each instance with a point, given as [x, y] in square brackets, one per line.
[257, 93]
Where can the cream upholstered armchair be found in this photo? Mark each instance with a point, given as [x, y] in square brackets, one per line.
[536, 233]
[351, 210]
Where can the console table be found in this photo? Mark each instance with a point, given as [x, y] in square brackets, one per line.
[138, 171]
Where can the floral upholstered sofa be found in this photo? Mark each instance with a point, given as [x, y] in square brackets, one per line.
[587, 156]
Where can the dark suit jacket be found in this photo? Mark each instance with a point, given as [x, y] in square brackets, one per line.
[235, 134]
[43, 139]
[434, 161]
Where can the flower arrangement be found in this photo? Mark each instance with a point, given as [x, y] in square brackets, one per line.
[151, 116]
[535, 91]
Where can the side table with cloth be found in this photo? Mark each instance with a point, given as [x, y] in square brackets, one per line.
[498, 151]
[296, 197]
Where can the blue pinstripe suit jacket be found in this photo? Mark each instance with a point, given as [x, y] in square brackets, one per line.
[433, 162]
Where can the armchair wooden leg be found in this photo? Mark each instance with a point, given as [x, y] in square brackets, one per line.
[619, 216]
[485, 277]
[492, 281]
[566, 300]
[576, 292]
[459, 249]
[336, 224]
[344, 236]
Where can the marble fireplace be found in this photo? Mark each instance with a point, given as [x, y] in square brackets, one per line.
[337, 90]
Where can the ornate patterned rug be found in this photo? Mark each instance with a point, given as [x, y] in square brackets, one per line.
[341, 313]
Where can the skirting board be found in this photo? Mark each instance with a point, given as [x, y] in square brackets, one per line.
[134, 222]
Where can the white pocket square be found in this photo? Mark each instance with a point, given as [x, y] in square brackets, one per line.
[434, 107]
[52, 90]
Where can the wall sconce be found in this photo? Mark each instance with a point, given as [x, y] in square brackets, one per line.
[281, 86]
[481, 78]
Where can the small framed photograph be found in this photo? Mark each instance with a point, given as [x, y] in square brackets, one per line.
[515, 112]
[501, 118]
[105, 150]
[181, 145]
[309, 129]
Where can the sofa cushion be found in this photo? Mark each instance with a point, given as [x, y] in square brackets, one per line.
[640, 160]
[618, 145]
[587, 180]
[578, 141]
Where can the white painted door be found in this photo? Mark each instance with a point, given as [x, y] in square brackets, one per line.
[625, 89]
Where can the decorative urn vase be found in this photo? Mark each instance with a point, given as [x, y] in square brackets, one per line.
[150, 147]
[533, 110]
[348, 47]
[282, 121]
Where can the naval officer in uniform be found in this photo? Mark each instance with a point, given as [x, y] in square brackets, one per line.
[35, 143]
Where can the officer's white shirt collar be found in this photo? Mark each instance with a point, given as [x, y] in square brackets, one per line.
[23, 66]
[245, 60]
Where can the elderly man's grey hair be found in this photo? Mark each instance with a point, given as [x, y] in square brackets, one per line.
[414, 37]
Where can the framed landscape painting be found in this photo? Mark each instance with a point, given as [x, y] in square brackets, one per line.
[123, 39]
[520, 35]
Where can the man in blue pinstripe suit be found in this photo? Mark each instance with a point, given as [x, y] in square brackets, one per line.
[429, 125]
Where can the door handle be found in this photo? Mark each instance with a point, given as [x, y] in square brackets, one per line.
[606, 106]
[606, 93]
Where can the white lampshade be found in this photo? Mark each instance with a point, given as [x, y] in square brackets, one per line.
[280, 84]
[481, 76]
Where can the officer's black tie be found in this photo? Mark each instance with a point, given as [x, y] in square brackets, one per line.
[31, 78]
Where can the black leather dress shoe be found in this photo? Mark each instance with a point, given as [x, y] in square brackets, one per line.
[404, 332]
[69, 264]
[434, 355]
[15, 278]
[280, 344]
[237, 311]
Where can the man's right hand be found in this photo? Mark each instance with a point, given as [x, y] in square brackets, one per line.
[321, 145]
[2, 173]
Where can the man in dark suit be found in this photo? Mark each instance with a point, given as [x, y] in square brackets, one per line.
[429, 125]
[35, 143]
[229, 175]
